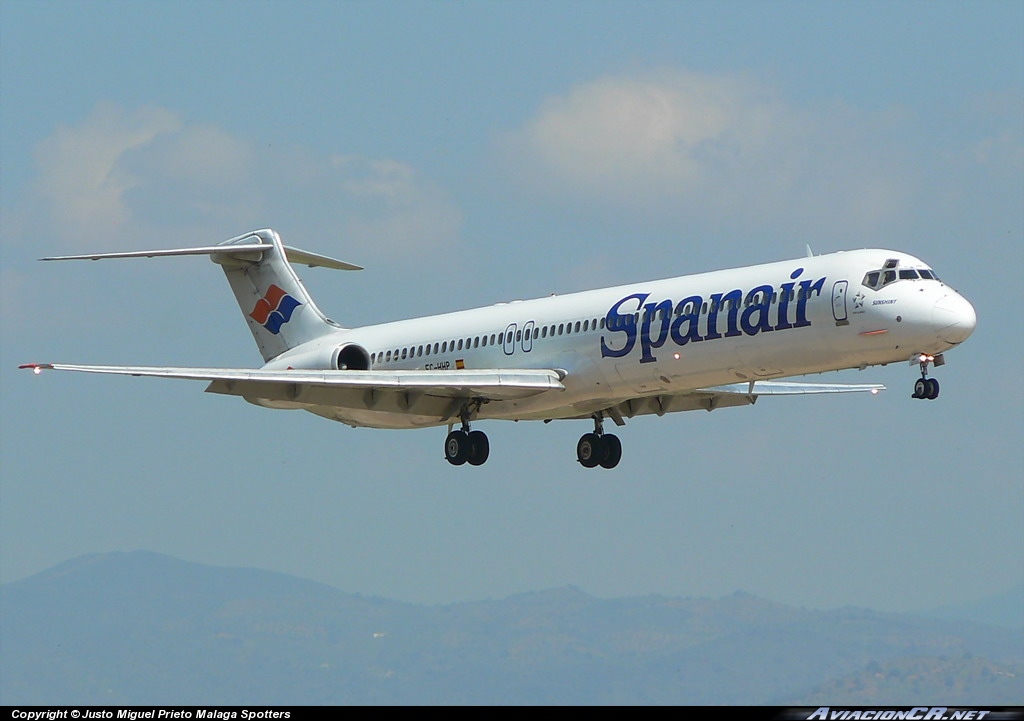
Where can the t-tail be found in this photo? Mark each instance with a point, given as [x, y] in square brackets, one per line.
[275, 304]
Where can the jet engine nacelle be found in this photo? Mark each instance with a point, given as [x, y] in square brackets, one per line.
[345, 357]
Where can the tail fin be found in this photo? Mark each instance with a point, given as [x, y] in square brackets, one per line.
[278, 309]
[275, 304]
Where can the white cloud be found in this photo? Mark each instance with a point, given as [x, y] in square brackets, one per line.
[678, 145]
[617, 133]
[81, 176]
[121, 178]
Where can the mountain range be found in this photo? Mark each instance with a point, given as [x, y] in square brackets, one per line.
[140, 628]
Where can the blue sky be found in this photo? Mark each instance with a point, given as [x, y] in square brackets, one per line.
[473, 152]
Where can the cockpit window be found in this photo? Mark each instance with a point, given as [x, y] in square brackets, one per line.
[889, 273]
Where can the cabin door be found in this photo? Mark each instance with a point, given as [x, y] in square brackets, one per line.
[839, 302]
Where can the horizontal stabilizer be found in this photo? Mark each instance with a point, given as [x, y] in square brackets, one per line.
[247, 251]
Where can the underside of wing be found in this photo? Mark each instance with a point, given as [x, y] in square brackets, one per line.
[713, 398]
[791, 388]
[436, 394]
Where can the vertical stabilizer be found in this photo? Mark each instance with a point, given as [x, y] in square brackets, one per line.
[274, 302]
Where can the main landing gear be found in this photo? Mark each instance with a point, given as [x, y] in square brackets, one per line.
[463, 445]
[599, 448]
[466, 446]
[925, 387]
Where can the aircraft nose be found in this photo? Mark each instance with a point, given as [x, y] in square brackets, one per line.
[954, 318]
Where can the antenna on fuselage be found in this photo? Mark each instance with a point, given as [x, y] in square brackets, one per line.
[809, 253]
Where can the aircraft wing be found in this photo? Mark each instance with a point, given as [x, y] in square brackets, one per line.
[714, 397]
[288, 385]
[790, 388]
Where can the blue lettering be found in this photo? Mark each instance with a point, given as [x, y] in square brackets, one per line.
[801, 302]
[749, 313]
[622, 323]
[691, 320]
[785, 295]
[652, 311]
[733, 299]
[759, 303]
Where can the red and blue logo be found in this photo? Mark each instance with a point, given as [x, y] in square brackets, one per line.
[274, 309]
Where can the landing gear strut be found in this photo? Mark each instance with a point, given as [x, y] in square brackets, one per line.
[463, 445]
[598, 448]
[925, 387]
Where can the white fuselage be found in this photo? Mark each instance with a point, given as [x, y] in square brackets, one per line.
[667, 337]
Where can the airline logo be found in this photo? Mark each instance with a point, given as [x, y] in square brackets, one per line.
[695, 318]
[274, 309]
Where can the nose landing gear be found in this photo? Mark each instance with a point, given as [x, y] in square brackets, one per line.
[599, 448]
[925, 387]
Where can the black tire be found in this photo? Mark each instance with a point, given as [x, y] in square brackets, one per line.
[920, 388]
[479, 448]
[457, 447]
[613, 451]
[933, 389]
[589, 450]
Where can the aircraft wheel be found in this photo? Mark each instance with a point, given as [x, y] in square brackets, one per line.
[613, 451]
[921, 388]
[457, 447]
[933, 389]
[479, 448]
[589, 450]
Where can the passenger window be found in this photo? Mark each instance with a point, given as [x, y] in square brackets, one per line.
[561, 327]
[586, 325]
[577, 327]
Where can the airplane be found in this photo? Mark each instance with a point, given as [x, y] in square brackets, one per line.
[707, 341]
